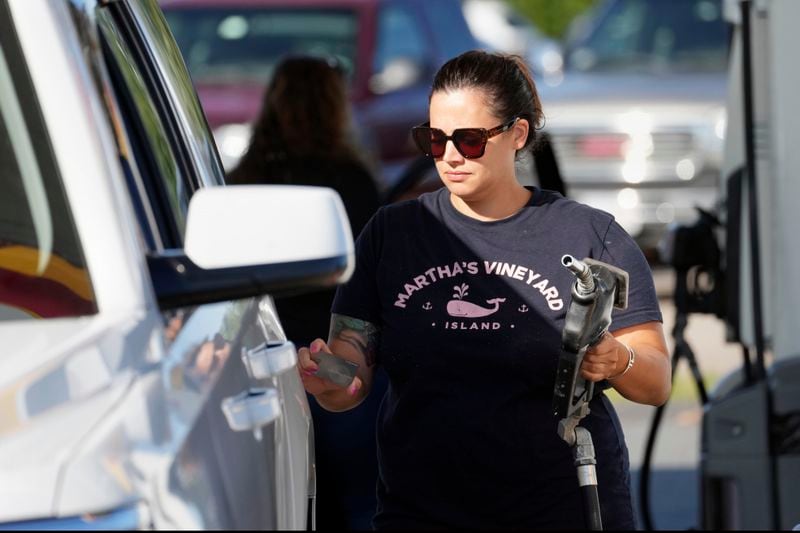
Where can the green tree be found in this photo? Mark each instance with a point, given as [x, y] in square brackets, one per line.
[552, 16]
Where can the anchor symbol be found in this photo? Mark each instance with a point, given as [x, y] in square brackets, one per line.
[427, 306]
[523, 308]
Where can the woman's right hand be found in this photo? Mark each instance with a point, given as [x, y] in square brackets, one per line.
[318, 386]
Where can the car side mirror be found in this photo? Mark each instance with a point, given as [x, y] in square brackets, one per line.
[248, 225]
[399, 73]
[249, 240]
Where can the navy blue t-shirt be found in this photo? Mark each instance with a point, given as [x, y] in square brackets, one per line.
[470, 316]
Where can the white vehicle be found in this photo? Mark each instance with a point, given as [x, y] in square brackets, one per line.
[639, 120]
[145, 380]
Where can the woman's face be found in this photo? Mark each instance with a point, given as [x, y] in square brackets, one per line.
[475, 179]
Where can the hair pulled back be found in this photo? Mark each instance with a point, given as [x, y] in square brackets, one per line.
[504, 78]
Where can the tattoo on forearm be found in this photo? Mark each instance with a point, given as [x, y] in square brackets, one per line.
[360, 334]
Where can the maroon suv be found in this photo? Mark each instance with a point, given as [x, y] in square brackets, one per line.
[389, 49]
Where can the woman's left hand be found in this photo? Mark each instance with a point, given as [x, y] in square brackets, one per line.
[602, 360]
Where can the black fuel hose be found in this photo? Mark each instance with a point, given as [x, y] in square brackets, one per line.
[682, 351]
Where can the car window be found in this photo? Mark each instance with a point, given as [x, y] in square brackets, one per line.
[185, 106]
[43, 272]
[163, 176]
[244, 45]
[648, 36]
[399, 37]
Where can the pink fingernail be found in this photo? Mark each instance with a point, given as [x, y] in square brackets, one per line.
[314, 348]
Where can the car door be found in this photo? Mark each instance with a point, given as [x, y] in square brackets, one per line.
[289, 449]
[225, 468]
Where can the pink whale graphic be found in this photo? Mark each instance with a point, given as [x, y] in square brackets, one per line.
[470, 310]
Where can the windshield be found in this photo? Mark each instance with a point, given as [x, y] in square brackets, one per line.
[42, 269]
[244, 45]
[654, 36]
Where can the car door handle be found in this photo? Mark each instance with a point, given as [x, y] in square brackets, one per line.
[269, 360]
[252, 409]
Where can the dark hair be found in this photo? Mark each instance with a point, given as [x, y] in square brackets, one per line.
[305, 112]
[505, 79]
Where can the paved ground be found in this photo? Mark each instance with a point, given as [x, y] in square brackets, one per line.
[674, 479]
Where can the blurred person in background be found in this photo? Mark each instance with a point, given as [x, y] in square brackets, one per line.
[303, 137]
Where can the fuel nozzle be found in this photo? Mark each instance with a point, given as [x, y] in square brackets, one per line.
[585, 282]
[599, 288]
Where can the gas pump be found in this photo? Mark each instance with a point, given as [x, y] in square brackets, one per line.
[750, 444]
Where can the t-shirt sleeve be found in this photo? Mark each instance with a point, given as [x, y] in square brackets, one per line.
[358, 297]
[620, 250]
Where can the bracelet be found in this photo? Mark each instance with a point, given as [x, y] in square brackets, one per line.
[631, 360]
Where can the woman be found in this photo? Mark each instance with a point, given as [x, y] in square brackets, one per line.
[460, 295]
[302, 138]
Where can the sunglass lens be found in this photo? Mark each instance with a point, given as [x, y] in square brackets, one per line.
[428, 141]
[469, 142]
[422, 138]
[438, 142]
